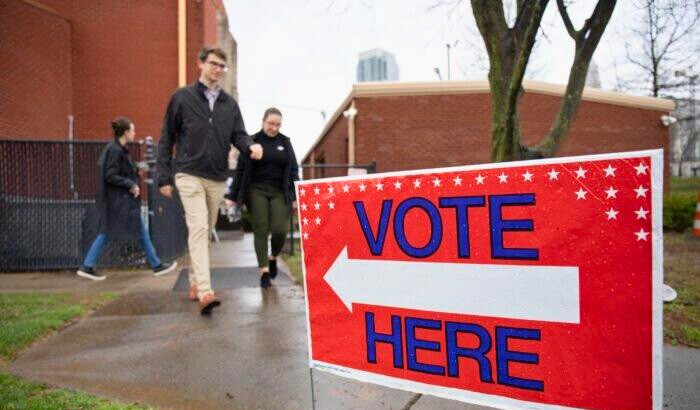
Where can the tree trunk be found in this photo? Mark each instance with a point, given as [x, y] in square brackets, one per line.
[509, 51]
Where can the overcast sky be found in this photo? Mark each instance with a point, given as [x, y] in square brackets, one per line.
[301, 55]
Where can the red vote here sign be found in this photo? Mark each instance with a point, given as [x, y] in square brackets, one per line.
[520, 285]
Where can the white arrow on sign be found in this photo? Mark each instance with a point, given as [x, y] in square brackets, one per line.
[545, 293]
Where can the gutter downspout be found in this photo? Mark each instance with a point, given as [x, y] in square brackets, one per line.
[312, 161]
[182, 43]
[350, 114]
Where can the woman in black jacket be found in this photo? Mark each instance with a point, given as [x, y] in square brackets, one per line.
[266, 186]
[118, 205]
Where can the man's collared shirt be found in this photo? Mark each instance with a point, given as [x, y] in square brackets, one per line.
[212, 94]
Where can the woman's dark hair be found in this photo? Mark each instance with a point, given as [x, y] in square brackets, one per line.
[120, 125]
[271, 111]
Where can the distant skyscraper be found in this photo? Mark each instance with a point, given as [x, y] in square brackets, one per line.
[377, 65]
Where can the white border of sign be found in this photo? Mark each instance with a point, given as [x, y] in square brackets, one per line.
[505, 403]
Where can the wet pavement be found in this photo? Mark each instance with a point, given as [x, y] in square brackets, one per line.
[151, 346]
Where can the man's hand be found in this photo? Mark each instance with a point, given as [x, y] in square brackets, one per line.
[135, 191]
[166, 191]
[294, 204]
[229, 203]
[256, 151]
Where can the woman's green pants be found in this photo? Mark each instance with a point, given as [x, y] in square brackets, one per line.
[269, 215]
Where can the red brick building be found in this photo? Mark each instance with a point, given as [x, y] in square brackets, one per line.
[405, 126]
[95, 60]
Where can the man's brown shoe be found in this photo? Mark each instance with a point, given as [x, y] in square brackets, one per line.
[193, 293]
[207, 303]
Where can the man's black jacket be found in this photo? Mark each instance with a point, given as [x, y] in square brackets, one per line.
[202, 137]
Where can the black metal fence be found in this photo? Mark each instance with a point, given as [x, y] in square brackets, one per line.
[293, 237]
[47, 208]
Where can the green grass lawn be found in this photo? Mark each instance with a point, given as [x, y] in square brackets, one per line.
[26, 318]
[685, 185]
[294, 263]
[682, 272]
[16, 393]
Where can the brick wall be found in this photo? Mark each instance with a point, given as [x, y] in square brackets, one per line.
[35, 85]
[332, 150]
[428, 131]
[121, 56]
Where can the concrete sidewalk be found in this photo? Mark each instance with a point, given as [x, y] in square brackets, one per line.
[151, 346]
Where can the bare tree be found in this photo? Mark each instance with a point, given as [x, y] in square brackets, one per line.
[661, 46]
[509, 50]
[660, 40]
[686, 132]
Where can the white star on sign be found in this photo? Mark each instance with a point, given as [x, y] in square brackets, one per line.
[303, 207]
[416, 183]
[612, 214]
[306, 235]
[612, 192]
[527, 176]
[641, 169]
[316, 190]
[553, 174]
[306, 221]
[580, 172]
[318, 221]
[641, 191]
[436, 181]
[641, 213]
[480, 179]
[330, 189]
[379, 186]
[362, 187]
[609, 171]
[457, 180]
[397, 185]
[331, 205]
[580, 194]
[642, 235]
[302, 192]
[317, 206]
[346, 188]
[503, 178]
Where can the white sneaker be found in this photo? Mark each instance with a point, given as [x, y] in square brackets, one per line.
[164, 268]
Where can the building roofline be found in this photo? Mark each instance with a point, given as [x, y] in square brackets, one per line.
[43, 7]
[391, 89]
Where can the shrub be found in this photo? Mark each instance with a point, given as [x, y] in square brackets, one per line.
[679, 211]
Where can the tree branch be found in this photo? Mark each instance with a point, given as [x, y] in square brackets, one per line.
[585, 46]
[491, 21]
[567, 20]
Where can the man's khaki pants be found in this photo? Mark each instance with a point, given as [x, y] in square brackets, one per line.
[201, 198]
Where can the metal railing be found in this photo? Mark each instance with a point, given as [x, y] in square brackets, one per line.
[47, 207]
[370, 168]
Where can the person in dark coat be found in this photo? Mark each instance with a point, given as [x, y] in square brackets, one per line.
[118, 206]
[266, 187]
[201, 123]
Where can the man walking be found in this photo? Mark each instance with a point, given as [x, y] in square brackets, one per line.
[201, 122]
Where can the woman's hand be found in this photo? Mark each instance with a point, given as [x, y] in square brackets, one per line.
[229, 203]
[135, 191]
[294, 204]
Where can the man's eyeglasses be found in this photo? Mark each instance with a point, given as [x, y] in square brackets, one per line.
[222, 67]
